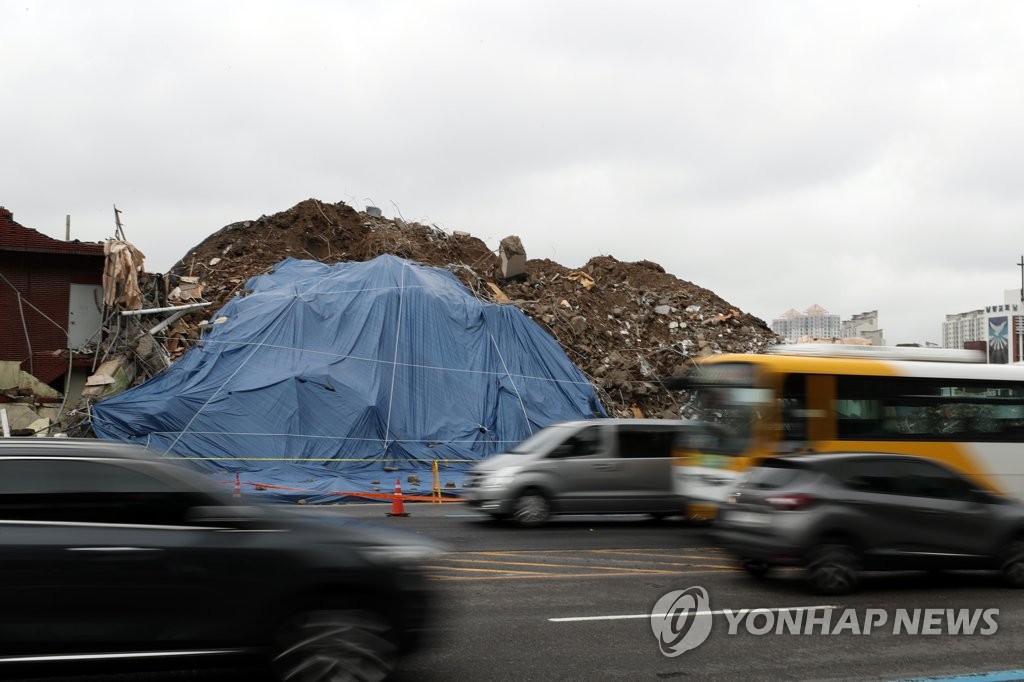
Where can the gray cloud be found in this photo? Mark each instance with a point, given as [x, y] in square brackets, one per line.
[859, 155]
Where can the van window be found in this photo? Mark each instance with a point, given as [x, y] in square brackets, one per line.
[582, 444]
[542, 440]
[636, 442]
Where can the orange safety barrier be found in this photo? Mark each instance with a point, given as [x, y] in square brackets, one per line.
[365, 495]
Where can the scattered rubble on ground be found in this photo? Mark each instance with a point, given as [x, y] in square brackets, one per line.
[28, 405]
[626, 325]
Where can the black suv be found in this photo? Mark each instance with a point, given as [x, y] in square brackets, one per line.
[107, 553]
[837, 514]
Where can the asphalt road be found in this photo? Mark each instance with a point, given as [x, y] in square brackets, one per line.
[572, 601]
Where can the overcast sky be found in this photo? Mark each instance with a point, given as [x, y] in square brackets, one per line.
[858, 155]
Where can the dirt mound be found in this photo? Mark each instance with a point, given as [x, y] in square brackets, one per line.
[626, 325]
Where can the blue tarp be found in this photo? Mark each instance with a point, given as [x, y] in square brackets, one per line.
[327, 378]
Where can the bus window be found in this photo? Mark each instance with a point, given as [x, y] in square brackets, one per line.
[917, 408]
[794, 412]
[735, 413]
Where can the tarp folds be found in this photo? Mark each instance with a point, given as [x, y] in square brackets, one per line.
[353, 370]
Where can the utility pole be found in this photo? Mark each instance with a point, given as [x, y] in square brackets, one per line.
[1017, 320]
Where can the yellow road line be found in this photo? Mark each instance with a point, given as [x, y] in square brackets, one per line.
[645, 552]
[549, 565]
[562, 576]
[485, 570]
[516, 552]
[664, 556]
[638, 569]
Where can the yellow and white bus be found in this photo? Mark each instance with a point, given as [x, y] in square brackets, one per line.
[944, 404]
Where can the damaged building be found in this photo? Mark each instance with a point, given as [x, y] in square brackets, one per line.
[80, 322]
[51, 302]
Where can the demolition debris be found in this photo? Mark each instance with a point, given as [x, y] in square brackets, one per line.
[626, 325]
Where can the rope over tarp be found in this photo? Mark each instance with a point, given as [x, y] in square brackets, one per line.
[328, 377]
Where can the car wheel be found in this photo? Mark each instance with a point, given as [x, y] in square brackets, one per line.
[833, 568]
[1012, 563]
[758, 569]
[333, 645]
[531, 509]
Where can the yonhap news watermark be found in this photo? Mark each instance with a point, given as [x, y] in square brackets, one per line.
[682, 620]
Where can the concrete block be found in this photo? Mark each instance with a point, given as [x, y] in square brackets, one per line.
[513, 257]
[10, 374]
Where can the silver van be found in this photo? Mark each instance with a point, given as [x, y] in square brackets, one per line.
[583, 467]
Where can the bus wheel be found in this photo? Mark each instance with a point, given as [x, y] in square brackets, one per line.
[1012, 563]
[833, 568]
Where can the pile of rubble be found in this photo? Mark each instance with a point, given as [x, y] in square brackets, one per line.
[626, 325]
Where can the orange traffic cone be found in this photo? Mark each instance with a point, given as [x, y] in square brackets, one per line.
[238, 486]
[397, 504]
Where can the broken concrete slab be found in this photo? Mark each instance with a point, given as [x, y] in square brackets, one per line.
[513, 257]
[22, 416]
[10, 374]
[110, 378]
[13, 378]
[39, 426]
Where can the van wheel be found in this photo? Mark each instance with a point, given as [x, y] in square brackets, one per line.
[531, 509]
[333, 644]
[1011, 563]
[833, 568]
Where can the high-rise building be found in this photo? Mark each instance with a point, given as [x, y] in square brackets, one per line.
[963, 328]
[865, 326]
[815, 322]
[996, 329]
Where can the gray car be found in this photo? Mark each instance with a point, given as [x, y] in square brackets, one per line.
[838, 514]
[583, 467]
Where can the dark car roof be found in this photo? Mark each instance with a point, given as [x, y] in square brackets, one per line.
[70, 447]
